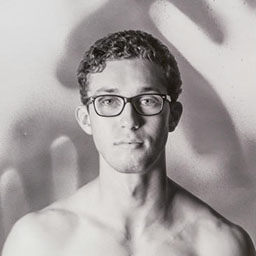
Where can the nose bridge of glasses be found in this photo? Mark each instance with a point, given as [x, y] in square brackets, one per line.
[127, 100]
[132, 101]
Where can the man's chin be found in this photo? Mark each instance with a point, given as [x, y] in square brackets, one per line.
[136, 166]
[131, 171]
[129, 162]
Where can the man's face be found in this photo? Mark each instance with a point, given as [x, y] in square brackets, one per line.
[129, 142]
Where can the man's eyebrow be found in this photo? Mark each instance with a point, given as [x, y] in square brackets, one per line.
[150, 89]
[116, 90]
[107, 90]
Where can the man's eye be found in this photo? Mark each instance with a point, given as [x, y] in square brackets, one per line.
[109, 101]
[149, 101]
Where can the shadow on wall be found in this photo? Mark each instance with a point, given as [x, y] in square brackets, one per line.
[34, 154]
[205, 18]
[251, 3]
[119, 15]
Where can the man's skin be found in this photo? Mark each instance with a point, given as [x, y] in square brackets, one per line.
[132, 208]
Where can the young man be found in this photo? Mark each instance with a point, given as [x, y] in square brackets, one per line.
[129, 84]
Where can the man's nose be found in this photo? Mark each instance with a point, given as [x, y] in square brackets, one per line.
[129, 118]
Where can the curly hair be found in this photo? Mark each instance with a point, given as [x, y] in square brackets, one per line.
[127, 45]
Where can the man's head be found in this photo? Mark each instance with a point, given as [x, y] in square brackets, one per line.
[128, 45]
[129, 86]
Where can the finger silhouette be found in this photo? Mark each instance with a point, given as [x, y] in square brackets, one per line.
[64, 167]
[13, 199]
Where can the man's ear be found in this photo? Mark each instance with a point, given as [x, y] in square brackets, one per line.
[176, 111]
[83, 119]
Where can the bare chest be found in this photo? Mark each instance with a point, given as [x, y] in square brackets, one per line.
[93, 243]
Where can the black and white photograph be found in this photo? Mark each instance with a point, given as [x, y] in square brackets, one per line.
[128, 128]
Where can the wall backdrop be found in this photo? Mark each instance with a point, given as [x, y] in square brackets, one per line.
[45, 156]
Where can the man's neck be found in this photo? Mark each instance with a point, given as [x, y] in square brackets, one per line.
[137, 199]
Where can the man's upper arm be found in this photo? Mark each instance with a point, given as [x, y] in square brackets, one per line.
[23, 238]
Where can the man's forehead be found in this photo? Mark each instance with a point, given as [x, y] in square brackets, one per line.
[120, 75]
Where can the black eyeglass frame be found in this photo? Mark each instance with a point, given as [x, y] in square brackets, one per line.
[92, 99]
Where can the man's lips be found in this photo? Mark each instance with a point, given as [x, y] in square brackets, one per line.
[128, 142]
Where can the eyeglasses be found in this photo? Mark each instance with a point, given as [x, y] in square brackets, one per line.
[110, 105]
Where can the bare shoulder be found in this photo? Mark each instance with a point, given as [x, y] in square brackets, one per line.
[212, 233]
[40, 232]
[216, 236]
[47, 230]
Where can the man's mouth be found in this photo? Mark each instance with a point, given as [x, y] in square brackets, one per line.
[129, 142]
